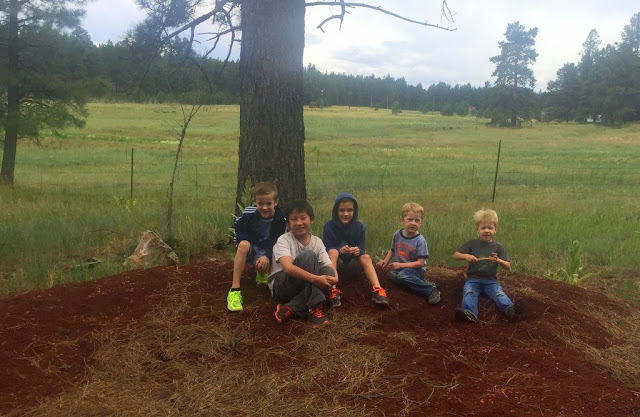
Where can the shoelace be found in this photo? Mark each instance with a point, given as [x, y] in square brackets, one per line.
[287, 312]
[380, 291]
[335, 292]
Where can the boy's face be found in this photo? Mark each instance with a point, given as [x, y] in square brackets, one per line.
[486, 231]
[411, 222]
[345, 212]
[266, 205]
[300, 224]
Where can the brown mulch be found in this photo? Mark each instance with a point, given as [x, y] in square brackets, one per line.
[531, 368]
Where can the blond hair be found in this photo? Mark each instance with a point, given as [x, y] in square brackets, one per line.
[486, 216]
[414, 207]
[264, 188]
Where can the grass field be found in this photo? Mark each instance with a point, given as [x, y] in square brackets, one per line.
[74, 198]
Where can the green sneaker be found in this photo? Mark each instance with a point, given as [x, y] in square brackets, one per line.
[262, 278]
[234, 301]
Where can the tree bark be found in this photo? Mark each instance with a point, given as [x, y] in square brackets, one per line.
[272, 137]
[13, 98]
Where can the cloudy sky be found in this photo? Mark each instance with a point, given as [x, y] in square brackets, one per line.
[373, 43]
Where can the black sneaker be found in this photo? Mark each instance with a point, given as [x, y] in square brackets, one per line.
[514, 312]
[334, 297]
[316, 316]
[379, 297]
[283, 313]
[465, 316]
[433, 297]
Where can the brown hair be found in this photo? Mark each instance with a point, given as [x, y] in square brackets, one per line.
[264, 188]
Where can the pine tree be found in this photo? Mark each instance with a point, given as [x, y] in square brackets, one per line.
[42, 81]
[517, 53]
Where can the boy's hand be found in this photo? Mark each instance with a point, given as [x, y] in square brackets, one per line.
[344, 250]
[395, 265]
[381, 264]
[470, 258]
[263, 265]
[494, 257]
[355, 251]
[325, 281]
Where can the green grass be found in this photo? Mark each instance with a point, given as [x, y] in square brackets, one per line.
[556, 183]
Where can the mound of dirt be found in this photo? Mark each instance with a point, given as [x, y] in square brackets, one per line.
[160, 341]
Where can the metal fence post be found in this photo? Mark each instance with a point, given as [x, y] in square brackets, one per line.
[495, 179]
[131, 193]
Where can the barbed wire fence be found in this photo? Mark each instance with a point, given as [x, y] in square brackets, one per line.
[439, 179]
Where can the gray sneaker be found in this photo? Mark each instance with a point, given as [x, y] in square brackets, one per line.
[283, 313]
[379, 297]
[465, 315]
[433, 297]
[334, 297]
[316, 316]
[514, 312]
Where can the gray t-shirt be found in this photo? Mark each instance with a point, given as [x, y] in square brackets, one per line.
[480, 249]
[288, 245]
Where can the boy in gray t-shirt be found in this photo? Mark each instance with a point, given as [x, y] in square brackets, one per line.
[484, 255]
[301, 274]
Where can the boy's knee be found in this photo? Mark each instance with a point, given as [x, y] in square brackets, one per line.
[500, 294]
[407, 275]
[467, 290]
[243, 247]
[364, 259]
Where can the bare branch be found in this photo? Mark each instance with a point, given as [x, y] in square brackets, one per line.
[343, 5]
[446, 12]
[218, 8]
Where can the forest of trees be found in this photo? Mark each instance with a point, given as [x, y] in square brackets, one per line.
[604, 84]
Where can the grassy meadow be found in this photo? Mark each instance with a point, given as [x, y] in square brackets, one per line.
[74, 199]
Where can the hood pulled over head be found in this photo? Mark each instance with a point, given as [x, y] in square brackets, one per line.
[336, 204]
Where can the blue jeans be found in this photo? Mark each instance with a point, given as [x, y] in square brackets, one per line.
[411, 280]
[474, 287]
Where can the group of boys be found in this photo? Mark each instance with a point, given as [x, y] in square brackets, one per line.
[301, 269]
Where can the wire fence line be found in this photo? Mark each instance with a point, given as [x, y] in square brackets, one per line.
[439, 179]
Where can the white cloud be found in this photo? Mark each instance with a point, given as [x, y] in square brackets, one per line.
[372, 42]
[109, 20]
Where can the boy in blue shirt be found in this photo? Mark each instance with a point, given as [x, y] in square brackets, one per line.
[257, 230]
[484, 255]
[344, 238]
[410, 250]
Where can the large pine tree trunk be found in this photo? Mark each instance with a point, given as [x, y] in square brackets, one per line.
[271, 124]
[13, 99]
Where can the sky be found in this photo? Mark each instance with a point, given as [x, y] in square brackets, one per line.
[370, 42]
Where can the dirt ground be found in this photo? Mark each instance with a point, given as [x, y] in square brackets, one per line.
[566, 358]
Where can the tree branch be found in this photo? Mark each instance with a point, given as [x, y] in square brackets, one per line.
[218, 8]
[446, 12]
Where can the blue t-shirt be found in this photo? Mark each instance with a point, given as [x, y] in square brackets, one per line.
[409, 249]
